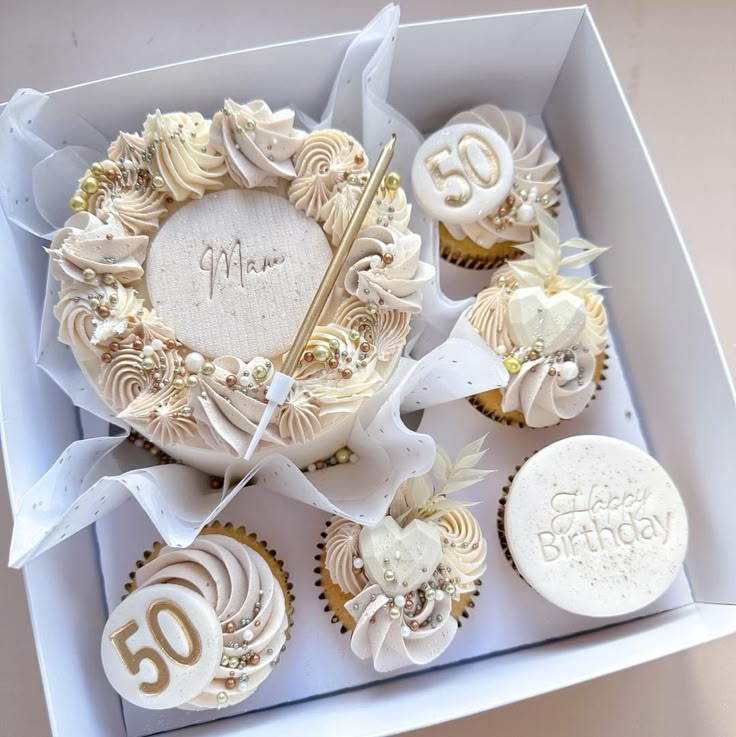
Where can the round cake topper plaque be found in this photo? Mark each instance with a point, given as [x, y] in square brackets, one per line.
[234, 272]
[596, 526]
[462, 173]
[161, 646]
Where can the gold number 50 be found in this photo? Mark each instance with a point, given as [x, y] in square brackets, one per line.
[133, 659]
[478, 168]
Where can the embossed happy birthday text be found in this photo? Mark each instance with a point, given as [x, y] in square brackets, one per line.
[600, 520]
[230, 263]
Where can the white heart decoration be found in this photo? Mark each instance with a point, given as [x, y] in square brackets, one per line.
[557, 319]
[413, 553]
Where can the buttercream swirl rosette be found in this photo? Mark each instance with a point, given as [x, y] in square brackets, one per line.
[482, 242]
[401, 587]
[202, 407]
[549, 325]
[216, 614]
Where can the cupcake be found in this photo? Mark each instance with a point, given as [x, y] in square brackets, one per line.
[481, 177]
[209, 622]
[549, 325]
[401, 587]
[189, 264]
[594, 525]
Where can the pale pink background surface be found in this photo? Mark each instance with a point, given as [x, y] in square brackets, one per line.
[676, 60]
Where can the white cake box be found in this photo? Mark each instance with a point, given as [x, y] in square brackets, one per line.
[550, 63]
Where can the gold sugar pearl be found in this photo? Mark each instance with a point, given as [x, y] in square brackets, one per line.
[97, 168]
[392, 181]
[78, 202]
[90, 185]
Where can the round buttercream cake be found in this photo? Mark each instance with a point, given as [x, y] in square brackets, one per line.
[189, 265]
[595, 525]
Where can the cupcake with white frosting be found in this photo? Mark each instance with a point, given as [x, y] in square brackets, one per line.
[401, 587]
[481, 176]
[549, 324]
[211, 619]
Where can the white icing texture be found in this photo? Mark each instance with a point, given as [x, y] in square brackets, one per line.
[182, 154]
[87, 244]
[325, 158]
[257, 144]
[384, 268]
[542, 393]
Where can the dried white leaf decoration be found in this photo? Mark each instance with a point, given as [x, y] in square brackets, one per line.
[543, 268]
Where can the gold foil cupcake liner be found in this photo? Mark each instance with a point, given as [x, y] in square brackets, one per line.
[489, 403]
[469, 255]
[501, 518]
[335, 598]
[244, 537]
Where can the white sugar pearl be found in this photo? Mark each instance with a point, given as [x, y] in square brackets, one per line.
[194, 362]
[242, 686]
[501, 350]
[439, 595]
[354, 458]
[399, 600]
[244, 381]
[568, 371]
[357, 563]
[157, 344]
[405, 630]
[525, 213]
[312, 467]
[248, 635]
[148, 350]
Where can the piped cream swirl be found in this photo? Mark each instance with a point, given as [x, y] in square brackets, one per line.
[257, 144]
[544, 398]
[341, 550]
[182, 154]
[384, 268]
[325, 158]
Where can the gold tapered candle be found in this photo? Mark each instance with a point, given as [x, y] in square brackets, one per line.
[283, 380]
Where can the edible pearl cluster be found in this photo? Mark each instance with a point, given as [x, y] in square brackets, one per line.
[340, 360]
[237, 680]
[343, 455]
[140, 442]
[107, 173]
[251, 380]
[410, 606]
[562, 364]
[518, 207]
